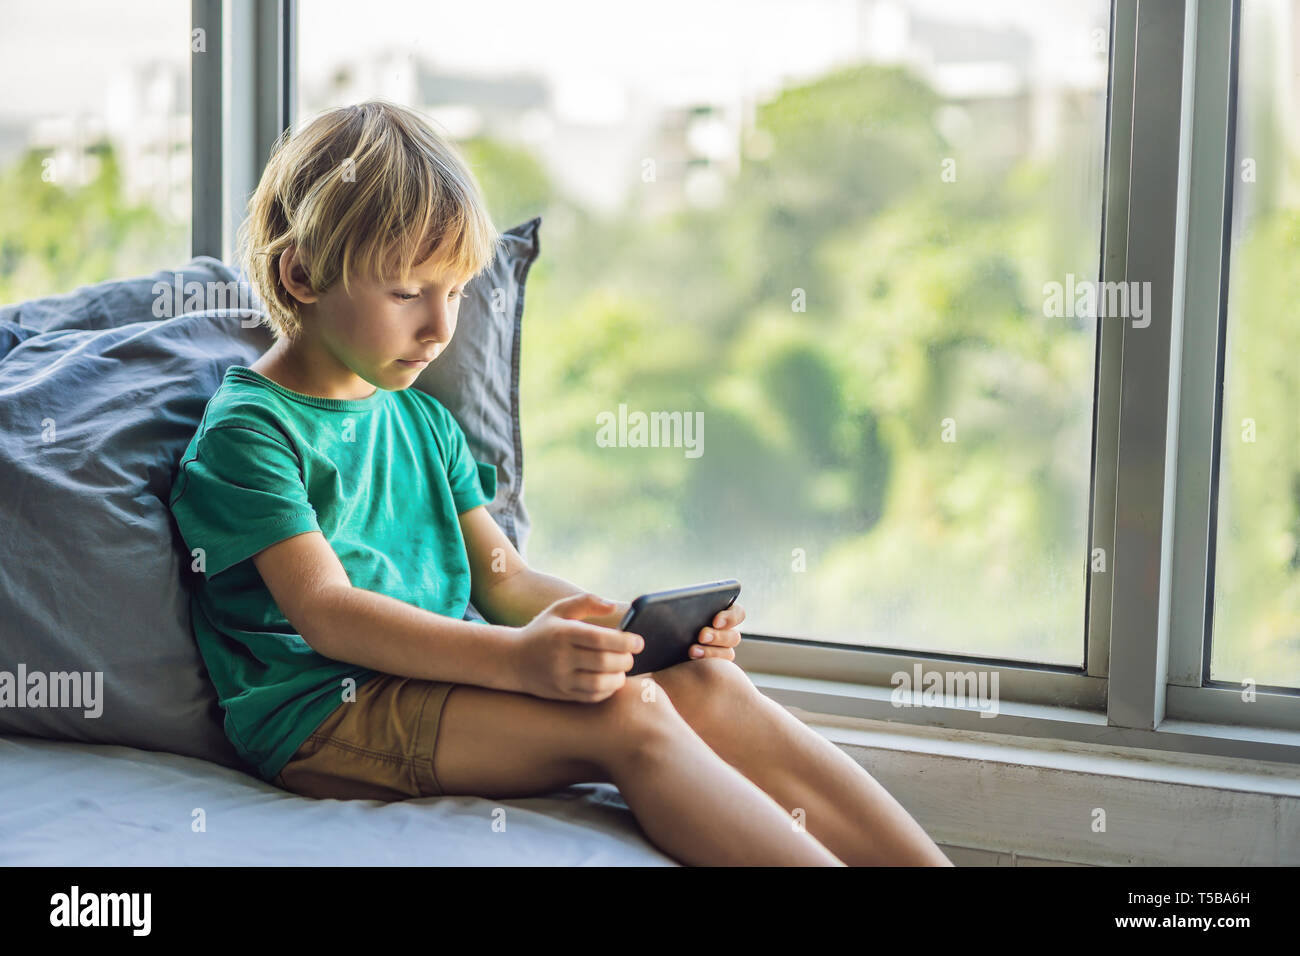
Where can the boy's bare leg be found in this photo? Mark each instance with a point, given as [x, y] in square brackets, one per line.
[848, 811]
[691, 803]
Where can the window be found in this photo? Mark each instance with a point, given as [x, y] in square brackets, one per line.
[839, 244]
[857, 241]
[1256, 626]
[94, 144]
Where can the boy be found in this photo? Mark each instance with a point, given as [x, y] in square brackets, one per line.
[342, 528]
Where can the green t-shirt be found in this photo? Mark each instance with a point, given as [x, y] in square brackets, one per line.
[383, 478]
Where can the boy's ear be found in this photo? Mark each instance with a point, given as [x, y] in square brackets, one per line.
[293, 276]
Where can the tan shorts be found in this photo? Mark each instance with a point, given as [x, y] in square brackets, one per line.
[378, 747]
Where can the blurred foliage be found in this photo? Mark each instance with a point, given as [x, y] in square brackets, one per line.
[1257, 576]
[1256, 622]
[54, 238]
[512, 176]
[823, 427]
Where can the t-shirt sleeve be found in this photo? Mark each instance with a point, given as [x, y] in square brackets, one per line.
[238, 492]
[473, 483]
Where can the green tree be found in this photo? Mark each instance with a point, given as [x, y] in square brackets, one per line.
[55, 237]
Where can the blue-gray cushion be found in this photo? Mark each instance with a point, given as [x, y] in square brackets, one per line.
[107, 305]
[93, 421]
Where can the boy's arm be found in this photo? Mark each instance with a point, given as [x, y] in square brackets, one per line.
[505, 589]
[351, 624]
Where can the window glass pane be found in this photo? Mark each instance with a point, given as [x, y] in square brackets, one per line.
[825, 230]
[94, 143]
[1257, 570]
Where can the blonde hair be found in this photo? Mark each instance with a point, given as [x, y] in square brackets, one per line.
[364, 191]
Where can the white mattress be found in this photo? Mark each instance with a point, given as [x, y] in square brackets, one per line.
[79, 804]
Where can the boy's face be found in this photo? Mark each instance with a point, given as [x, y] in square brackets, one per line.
[371, 331]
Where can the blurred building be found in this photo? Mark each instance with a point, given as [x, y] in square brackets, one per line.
[146, 118]
[1005, 101]
[603, 141]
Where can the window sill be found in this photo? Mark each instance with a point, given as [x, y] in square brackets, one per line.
[846, 705]
[997, 797]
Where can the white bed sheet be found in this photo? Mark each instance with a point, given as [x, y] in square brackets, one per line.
[74, 804]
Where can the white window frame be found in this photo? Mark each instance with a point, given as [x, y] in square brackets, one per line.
[244, 95]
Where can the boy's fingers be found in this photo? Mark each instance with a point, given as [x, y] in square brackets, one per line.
[587, 682]
[701, 651]
[598, 638]
[729, 618]
[585, 604]
[602, 662]
[713, 637]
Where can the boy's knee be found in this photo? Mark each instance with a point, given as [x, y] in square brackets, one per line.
[711, 684]
[641, 702]
[712, 672]
[638, 716]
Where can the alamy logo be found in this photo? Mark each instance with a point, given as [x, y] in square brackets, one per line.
[1088, 299]
[102, 909]
[179, 297]
[957, 689]
[655, 430]
[83, 689]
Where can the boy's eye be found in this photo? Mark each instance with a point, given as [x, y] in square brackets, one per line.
[407, 296]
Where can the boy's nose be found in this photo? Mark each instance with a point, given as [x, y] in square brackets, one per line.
[438, 325]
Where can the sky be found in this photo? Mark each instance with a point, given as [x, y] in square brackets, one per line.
[672, 51]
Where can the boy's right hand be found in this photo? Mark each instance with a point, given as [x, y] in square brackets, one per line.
[561, 657]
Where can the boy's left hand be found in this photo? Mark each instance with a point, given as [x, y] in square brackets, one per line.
[718, 640]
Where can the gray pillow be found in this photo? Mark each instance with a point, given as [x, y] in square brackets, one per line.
[92, 425]
[107, 305]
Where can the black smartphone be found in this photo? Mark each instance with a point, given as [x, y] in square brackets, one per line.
[671, 621]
